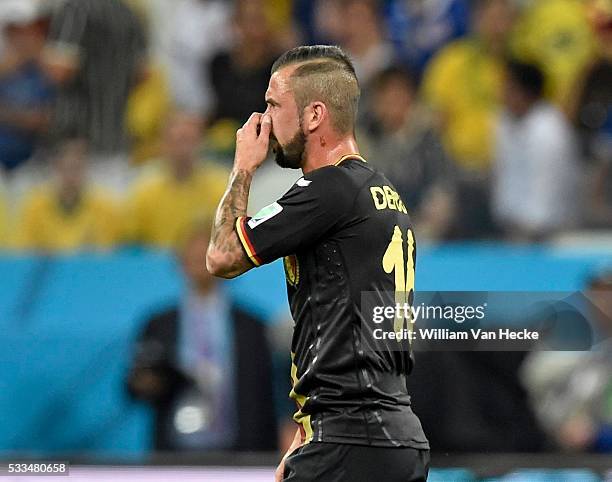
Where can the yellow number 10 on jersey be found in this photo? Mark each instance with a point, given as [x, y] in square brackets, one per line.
[393, 260]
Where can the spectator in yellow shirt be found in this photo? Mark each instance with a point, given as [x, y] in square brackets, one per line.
[463, 84]
[68, 213]
[148, 104]
[556, 36]
[166, 202]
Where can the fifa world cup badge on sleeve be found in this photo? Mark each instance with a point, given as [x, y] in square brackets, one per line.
[264, 214]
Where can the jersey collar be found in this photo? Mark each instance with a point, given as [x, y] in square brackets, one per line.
[349, 156]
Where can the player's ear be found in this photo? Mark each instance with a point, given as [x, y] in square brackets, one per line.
[316, 113]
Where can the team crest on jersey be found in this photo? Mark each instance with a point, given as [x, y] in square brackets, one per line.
[292, 270]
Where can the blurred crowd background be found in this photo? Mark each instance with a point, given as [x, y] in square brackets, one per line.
[493, 118]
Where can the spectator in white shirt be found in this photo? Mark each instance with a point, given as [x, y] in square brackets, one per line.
[536, 177]
[199, 30]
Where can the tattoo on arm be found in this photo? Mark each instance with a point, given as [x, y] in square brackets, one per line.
[224, 239]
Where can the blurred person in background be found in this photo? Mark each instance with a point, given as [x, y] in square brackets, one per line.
[358, 27]
[281, 17]
[555, 36]
[205, 366]
[168, 198]
[150, 101]
[96, 53]
[148, 105]
[199, 30]
[25, 91]
[68, 213]
[398, 134]
[571, 391]
[592, 114]
[239, 75]
[364, 37]
[535, 192]
[323, 20]
[463, 85]
[420, 28]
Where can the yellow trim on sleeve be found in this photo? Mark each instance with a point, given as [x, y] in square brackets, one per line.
[245, 242]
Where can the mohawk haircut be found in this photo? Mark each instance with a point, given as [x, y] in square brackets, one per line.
[326, 74]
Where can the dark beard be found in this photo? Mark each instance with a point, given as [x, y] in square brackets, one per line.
[291, 155]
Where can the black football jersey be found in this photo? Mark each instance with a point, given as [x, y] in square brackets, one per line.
[343, 231]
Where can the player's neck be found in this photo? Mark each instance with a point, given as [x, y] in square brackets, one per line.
[325, 153]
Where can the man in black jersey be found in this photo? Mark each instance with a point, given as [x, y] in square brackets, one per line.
[342, 231]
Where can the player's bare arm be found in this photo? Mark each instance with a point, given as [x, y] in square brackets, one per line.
[225, 256]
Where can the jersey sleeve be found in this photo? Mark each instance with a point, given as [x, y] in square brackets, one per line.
[313, 206]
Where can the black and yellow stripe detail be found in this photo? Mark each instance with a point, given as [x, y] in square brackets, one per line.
[300, 417]
[246, 243]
